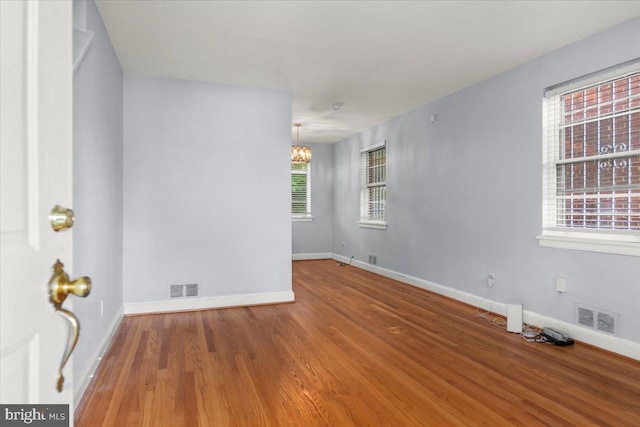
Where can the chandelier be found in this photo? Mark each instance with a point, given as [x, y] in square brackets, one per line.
[299, 153]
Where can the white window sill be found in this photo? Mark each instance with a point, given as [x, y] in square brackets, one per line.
[378, 225]
[610, 246]
[302, 218]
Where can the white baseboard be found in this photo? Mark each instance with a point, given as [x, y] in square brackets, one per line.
[321, 255]
[204, 303]
[608, 342]
[586, 335]
[87, 374]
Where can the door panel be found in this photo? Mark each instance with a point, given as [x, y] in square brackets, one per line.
[35, 175]
[19, 369]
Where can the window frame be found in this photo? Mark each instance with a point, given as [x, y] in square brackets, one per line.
[367, 221]
[307, 215]
[626, 242]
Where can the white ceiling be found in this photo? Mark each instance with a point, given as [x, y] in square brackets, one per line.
[380, 58]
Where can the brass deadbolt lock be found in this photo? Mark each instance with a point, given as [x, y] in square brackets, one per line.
[61, 218]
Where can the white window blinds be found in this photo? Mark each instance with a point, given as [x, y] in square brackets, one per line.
[374, 190]
[592, 156]
[300, 189]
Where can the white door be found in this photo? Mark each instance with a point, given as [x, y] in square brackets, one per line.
[36, 165]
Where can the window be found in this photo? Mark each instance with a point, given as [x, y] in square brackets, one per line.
[373, 196]
[592, 164]
[301, 191]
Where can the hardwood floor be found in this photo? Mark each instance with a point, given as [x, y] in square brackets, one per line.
[356, 349]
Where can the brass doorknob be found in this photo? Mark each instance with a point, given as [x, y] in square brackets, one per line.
[61, 218]
[59, 287]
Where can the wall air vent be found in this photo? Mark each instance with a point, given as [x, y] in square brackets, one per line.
[191, 290]
[586, 317]
[596, 318]
[176, 291]
[606, 323]
[182, 291]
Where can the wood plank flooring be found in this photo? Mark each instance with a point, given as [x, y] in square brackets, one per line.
[355, 349]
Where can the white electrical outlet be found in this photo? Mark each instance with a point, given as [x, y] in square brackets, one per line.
[561, 284]
[491, 279]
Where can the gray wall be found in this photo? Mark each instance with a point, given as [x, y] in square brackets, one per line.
[464, 193]
[206, 188]
[97, 185]
[315, 236]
